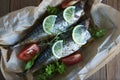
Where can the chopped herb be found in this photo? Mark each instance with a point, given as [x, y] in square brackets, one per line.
[60, 67]
[48, 71]
[100, 33]
[30, 63]
[52, 10]
[97, 33]
[41, 75]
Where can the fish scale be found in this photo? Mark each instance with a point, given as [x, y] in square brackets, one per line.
[42, 59]
[38, 34]
[69, 47]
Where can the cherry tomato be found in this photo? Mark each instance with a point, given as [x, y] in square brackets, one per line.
[72, 59]
[67, 3]
[29, 52]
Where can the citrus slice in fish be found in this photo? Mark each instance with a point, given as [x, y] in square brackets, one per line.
[79, 35]
[48, 24]
[68, 14]
[57, 49]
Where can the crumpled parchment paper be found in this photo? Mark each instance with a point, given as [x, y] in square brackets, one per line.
[15, 24]
[13, 27]
[103, 16]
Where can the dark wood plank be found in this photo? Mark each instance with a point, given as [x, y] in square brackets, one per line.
[113, 69]
[100, 75]
[118, 5]
[7, 6]
[4, 7]
[18, 4]
[113, 3]
[104, 1]
[110, 2]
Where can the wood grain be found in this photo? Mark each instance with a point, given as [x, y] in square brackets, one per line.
[118, 5]
[4, 7]
[113, 67]
[99, 75]
[18, 4]
[7, 6]
[111, 71]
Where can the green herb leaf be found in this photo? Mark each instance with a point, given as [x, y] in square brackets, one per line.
[100, 33]
[42, 75]
[52, 10]
[97, 33]
[30, 63]
[48, 71]
[60, 67]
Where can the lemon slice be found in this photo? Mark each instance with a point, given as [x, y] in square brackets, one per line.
[80, 35]
[48, 24]
[68, 14]
[57, 49]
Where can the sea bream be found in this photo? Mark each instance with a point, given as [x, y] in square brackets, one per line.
[69, 47]
[38, 34]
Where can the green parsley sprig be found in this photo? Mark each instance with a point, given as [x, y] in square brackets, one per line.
[97, 33]
[48, 71]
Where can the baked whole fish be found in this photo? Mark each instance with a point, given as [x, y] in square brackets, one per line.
[69, 47]
[38, 34]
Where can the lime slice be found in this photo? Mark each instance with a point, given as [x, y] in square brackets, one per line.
[57, 49]
[48, 24]
[68, 14]
[79, 34]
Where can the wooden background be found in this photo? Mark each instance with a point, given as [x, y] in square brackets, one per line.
[110, 71]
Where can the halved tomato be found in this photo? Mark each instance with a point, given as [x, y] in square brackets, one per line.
[28, 52]
[67, 3]
[72, 59]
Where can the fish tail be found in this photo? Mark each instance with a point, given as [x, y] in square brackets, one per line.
[43, 59]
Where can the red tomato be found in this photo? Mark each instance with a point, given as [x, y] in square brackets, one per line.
[67, 3]
[72, 59]
[29, 52]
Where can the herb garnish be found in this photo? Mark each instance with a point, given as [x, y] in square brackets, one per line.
[30, 63]
[48, 71]
[52, 10]
[97, 33]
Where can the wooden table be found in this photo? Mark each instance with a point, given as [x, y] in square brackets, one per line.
[111, 71]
